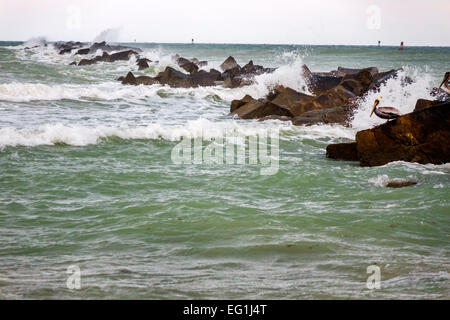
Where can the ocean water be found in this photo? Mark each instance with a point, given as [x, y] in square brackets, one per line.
[87, 180]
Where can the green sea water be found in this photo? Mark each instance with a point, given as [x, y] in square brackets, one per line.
[87, 180]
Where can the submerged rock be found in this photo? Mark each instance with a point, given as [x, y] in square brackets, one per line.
[397, 183]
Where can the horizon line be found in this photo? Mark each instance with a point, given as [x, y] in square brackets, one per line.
[242, 43]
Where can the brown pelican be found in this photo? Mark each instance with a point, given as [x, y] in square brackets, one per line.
[445, 83]
[384, 112]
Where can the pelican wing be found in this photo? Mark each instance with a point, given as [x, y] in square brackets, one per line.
[390, 111]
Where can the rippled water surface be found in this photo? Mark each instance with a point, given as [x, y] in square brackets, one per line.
[86, 179]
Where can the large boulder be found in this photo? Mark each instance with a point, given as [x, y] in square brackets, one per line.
[109, 48]
[83, 51]
[122, 56]
[256, 109]
[318, 83]
[132, 80]
[295, 101]
[349, 71]
[173, 78]
[343, 151]
[424, 104]
[336, 115]
[188, 65]
[203, 78]
[420, 136]
[228, 64]
[142, 63]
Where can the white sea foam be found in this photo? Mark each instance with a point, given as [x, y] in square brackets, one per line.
[24, 92]
[393, 93]
[78, 135]
[37, 41]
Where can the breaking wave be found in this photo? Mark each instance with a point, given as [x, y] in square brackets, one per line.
[394, 93]
[78, 135]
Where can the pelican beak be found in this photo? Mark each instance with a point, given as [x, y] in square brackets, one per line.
[374, 106]
[447, 76]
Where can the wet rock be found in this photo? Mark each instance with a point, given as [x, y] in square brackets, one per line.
[202, 63]
[203, 78]
[349, 71]
[128, 79]
[343, 151]
[235, 104]
[235, 82]
[336, 115]
[132, 80]
[424, 104]
[142, 63]
[83, 51]
[358, 83]
[105, 57]
[272, 117]
[295, 101]
[121, 56]
[109, 48]
[228, 64]
[68, 46]
[255, 109]
[420, 136]
[189, 66]
[400, 183]
[173, 78]
[382, 77]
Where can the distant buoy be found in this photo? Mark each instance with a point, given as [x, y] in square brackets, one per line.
[401, 46]
[379, 43]
[192, 41]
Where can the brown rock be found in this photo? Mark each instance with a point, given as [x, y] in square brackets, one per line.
[400, 183]
[422, 136]
[187, 65]
[296, 102]
[423, 104]
[123, 55]
[145, 80]
[238, 103]
[174, 78]
[272, 117]
[342, 151]
[228, 64]
[83, 51]
[260, 108]
[190, 67]
[143, 63]
[359, 83]
[349, 71]
[129, 79]
[339, 115]
[203, 78]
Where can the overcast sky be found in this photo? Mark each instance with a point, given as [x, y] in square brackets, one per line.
[416, 22]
